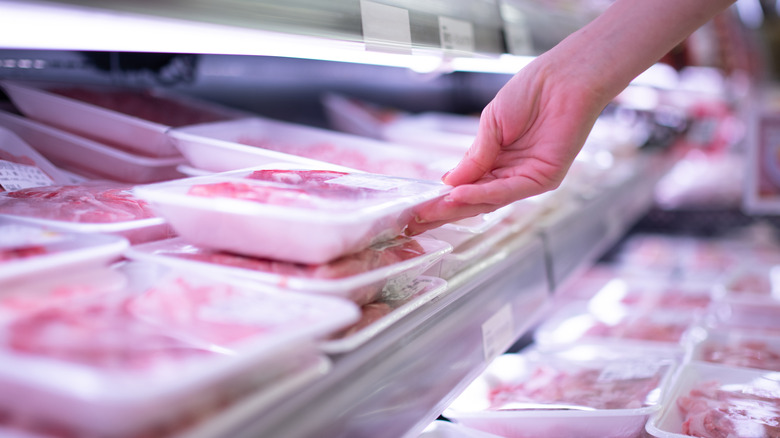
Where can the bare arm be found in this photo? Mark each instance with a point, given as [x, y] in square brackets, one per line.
[531, 131]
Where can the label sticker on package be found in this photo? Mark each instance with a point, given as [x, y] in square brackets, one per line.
[456, 34]
[497, 333]
[15, 176]
[364, 182]
[628, 371]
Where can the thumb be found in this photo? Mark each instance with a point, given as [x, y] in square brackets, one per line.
[480, 157]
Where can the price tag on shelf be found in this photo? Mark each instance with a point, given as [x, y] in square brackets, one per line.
[385, 28]
[15, 176]
[497, 333]
[456, 34]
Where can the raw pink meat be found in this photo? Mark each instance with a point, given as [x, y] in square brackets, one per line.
[9, 254]
[96, 203]
[369, 259]
[712, 411]
[343, 156]
[668, 299]
[18, 159]
[747, 353]
[643, 328]
[751, 283]
[548, 385]
[100, 334]
[144, 105]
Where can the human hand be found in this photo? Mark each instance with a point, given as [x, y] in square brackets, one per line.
[528, 138]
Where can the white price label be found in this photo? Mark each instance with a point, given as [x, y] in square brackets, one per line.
[385, 28]
[628, 371]
[15, 176]
[456, 34]
[497, 333]
[365, 182]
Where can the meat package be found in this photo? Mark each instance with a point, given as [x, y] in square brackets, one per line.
[380, 270]
[616, 325]
[747, 349]
[133, 119]
[21, 166]
[137, 359]
[715, 401]
[90, 158]
[94, 207]
[28, 250]
[537, 394]
[303, 216]
[236, 144]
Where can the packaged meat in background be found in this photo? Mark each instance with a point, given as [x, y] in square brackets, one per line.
[645, 293]
[237, 144]
[738, 349]
[355, 116]
[91, 207]
[90, 158]
[303, 216]
[382, 270]
[447, 429]
[24, 167]
[537, 394]
[149, 357]
[616, 325]
[747, 297]
[443, 132]
[28, 250]
[132, 119]
[708, 400]
[379, 315]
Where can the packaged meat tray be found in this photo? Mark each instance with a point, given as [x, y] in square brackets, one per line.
[356, 116]
[133, 119]
[93, 207]
[28, 250]
[539, 395]
[21, 166]
[140, 360]
[237, 144]
[302, 216]
[438, 131]
[616, 325]
[738, 348]
[85, 156]
[714, 401]
[377, 316]
[380, 270]
[645, 293]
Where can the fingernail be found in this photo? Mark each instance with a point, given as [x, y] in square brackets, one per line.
[418, 220]
[443, 177]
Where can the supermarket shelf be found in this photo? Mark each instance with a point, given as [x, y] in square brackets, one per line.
[577, 236]
[401, 380]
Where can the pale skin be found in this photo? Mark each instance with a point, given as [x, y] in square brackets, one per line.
[530, 133]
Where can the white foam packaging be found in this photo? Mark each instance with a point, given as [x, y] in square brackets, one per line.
[28, 250]
[111, 125]
[668, 423]
[85, 156]
[375, 320]
[179, 345]
[307, 229]
[252, 141]
[435, 130]
[360, 277]
[15, 152]
[535, 394]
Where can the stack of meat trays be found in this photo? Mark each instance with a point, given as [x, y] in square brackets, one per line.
[142, 350]
[585, 393]
[32, 189]
[106, 132]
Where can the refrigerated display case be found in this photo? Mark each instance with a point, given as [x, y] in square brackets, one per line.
[274, 61]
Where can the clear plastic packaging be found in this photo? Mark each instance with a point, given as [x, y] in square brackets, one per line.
[616, 325]
[133, 119]
[236, 144]
[708, 400]
[86, 156]
[542, 395]
[644, 293]
[447, 429]
[94, 207]
[445, 132]
[357, 117]
[379, 315]
[738, 348]
[130, 361]
[303, 216]
[28, 250]
[17, 153]
[382, 270]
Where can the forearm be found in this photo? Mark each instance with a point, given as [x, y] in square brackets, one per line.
[631, 35]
